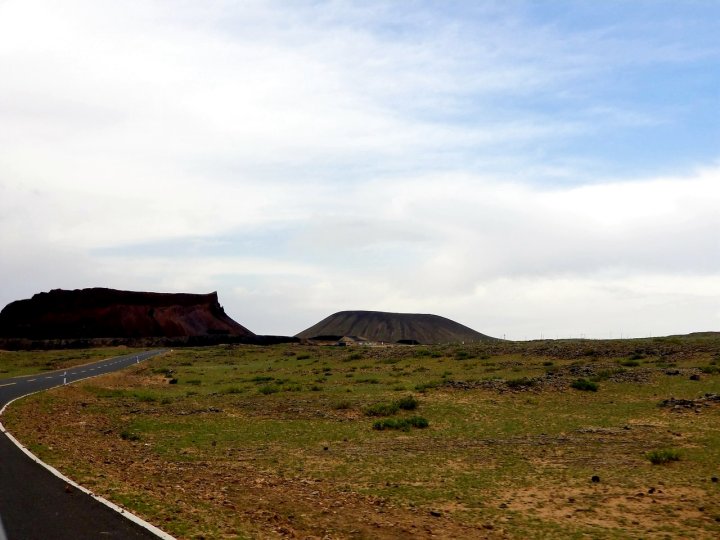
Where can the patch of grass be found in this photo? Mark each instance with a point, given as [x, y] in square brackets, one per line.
[664, 455]
[381, 409]
[268, 389]
[428, 385]
[231, 390]
[584, 385]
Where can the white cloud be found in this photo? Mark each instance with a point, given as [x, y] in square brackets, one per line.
[377, 157]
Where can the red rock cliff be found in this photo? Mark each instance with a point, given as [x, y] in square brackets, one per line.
[101, 313]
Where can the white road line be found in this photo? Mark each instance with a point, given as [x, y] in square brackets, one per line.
[31, 380]
[8, 384]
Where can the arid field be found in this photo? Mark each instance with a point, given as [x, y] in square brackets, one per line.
[545, 439]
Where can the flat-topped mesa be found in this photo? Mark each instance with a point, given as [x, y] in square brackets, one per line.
[380, 326]
[109, 313]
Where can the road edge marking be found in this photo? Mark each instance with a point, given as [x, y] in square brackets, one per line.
[122, 511]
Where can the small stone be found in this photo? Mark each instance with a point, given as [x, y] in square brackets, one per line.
[435, 513]
[595, 479]
[68, 489]
[503, 505]
[651, 490]
[694, 377]
[326, 448]
[714, 479]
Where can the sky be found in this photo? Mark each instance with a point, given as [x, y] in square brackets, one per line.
[527, 168]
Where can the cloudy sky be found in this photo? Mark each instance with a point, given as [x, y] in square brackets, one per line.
[525, 168]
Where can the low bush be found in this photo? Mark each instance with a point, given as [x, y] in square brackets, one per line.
[520, 383]
[268, 389]
[630, 363]
[407, 403]
[381, 409]
[584, 385]
[126, 435]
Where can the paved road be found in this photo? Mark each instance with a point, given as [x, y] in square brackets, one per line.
[34, 504]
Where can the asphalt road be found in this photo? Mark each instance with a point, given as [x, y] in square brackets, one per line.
[36, 505]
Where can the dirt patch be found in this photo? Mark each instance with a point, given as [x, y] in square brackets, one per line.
[634, 512]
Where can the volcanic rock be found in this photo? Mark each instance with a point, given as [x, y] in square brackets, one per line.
[109, 313]
[379, 326]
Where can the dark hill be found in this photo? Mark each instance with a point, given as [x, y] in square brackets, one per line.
[394, 327]
[109, 313]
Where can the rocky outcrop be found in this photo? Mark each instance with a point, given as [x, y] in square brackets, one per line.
[108, 313]
[379, 326]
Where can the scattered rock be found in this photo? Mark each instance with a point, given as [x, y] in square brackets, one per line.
[694, 377]
[595, 479]
[435, 513]
[714, 479]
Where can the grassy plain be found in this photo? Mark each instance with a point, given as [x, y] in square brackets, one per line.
[270, 442]
[15, 363]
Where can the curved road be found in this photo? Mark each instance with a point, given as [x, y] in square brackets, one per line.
[34, 504]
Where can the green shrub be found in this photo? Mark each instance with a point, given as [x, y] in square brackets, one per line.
[126, 435]
[407, 403]
[584, 385]
[268, 389]
[381, 409]
[520, 383]
[630, 363]
[665, 455]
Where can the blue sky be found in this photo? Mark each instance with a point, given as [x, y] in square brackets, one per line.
[525, 168]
